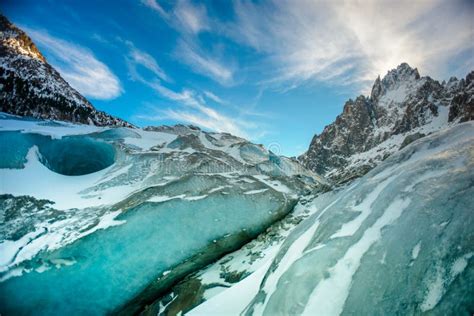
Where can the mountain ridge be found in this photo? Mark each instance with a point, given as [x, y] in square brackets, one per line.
[30, 86]
[402, 107]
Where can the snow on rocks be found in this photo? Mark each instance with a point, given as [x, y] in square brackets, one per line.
[401, 108]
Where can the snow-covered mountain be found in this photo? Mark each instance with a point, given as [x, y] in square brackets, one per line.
[401, 108]
[96, 220]
[29, 86]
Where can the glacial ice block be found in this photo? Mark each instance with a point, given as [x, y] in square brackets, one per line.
[100, 272]
[93, 218]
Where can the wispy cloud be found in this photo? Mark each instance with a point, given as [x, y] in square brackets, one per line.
[352, 42]
[192, 109]
[190, 106]
[155, 6]
[190, 19]
[79, 66]
[336, 42]
[137, 58]
[214, 97]
[247, 110]
[210, 119]
[202, 63]
[185, 16]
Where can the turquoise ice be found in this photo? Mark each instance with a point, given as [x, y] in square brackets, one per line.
[93, 218]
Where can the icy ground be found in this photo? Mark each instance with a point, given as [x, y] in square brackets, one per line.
[166, 202]
[97, 220]
[399, 240]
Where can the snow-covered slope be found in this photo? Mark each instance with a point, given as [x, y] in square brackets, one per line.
[29, 86]
[401, 108]
[96, 220]
[397, 241]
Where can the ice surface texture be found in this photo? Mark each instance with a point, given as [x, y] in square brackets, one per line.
[398, 241]
[111, 266]
[102, 220]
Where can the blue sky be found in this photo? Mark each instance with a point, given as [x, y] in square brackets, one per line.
[275, 72]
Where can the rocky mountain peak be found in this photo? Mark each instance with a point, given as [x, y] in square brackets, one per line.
[402, 73]
[29, 86]
[394, 79]
[470, 77]
[401, 104]
[15, 41]
[376, 89]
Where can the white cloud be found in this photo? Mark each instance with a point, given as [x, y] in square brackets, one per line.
[203, 64]
[185, 16]
[192, 17]
[207, 118]
[191, 105]
[351, 42]
[337, 42]
[193, 108]
[138, 57]
[153, 4]
[195, 111]
[78, 66]
[214, 97]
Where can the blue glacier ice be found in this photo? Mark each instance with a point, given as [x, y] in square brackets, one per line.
[74, 156]
[111, 266]
[15, 146]
[97, 220]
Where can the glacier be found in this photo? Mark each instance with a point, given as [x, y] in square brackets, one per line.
[104, 220]
[399, 240]
[168, 220]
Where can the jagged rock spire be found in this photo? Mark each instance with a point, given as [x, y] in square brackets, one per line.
[400, 103]
[402, 74]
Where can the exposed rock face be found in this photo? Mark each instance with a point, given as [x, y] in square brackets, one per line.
[372, 128]
[29, 86]
[462, 103]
